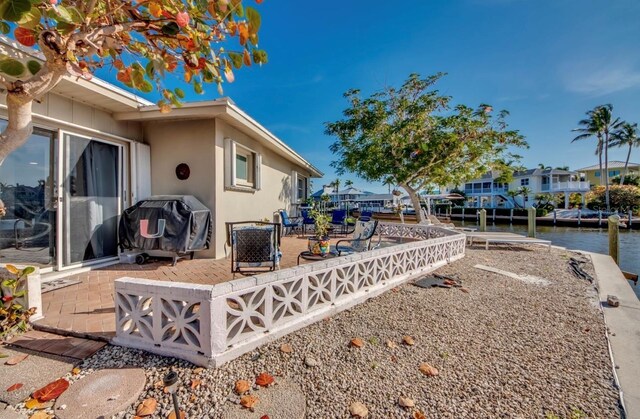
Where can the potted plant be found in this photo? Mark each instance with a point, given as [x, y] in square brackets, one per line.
[319, 244]
[14, 315]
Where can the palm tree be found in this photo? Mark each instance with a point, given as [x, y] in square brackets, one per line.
[525, 191]
[543, 166]
[336, 185]
[563, 168]
[600, 123]
[513, 195]
[626, 136]
[348, 183]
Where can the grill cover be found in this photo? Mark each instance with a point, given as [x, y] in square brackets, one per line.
[187, 223]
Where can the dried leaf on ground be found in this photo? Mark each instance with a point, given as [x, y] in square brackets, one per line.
[466, 291]
[16, 359]
[192, 398]
[158, 384]
[264, 379]
[41, 414]
[147, 407]
[34, 404]
[51, 391]
[4, 355]
[195, 384]
[391, 344]
[249, 401]
[358, 410]
[264, 417]
[406, 402]
[408, 340]
[198, 370]
[357, 342]
[419, 415]
[286, 348]
[172, 415]
[16, 386]
[428, 370]
[242, 386]
[76, 371]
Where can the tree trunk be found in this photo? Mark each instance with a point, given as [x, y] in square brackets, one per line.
[606, 172]
[626, 164]
[600, 161]
[19, 124]
[22, 93]
[415, 201]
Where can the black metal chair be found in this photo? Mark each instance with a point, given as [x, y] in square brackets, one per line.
[255, 246]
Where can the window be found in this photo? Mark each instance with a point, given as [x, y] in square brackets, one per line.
[243, 165]
[302, 188]
[597, 173]
[524, 182]
[613, 173]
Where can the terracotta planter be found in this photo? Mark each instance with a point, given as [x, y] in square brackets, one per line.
[319, 246]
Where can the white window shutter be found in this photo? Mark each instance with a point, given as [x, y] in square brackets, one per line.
[229, 162]
[294, 187]
[258, 171]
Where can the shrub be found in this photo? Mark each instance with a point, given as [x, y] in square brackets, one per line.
[14, 317]
[632, 179]
[621, 198]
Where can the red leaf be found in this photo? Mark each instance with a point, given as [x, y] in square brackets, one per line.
[16, 386]
[25, 36]
[51, 391]
[264, 379]
[182, 19]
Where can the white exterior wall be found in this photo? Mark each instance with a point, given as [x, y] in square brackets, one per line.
[200, 144]
[233, 205]
[66, 111]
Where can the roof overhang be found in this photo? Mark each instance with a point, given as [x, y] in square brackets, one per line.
[95, 92]
[227, 111]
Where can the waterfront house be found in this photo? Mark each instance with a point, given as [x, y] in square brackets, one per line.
[489, 191]
[616, 168]
[97, 149]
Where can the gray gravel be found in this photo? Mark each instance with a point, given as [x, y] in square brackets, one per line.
[506, 348]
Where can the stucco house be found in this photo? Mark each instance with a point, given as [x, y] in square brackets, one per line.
[616, 168]
[98, 149]
[488, 191]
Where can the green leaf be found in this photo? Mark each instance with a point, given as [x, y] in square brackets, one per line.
[13, 10]
[179, 92]
[260, 56]
[170, 29]
[150, 69]
[254, 20]
[65, 28]
[5, 28]
[145, 86]
[197, 87]
[31, 19]
[29, 269]
[64, 14]
[236, 59]
[12, 67]
[33, 67]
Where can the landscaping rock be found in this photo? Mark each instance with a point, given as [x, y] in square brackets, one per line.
[103, 393]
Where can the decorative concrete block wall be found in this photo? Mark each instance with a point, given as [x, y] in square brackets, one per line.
[210, 325]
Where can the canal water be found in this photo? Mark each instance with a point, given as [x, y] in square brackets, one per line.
[589, 239]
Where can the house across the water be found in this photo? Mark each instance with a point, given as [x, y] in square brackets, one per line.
[616, 168]
[98, 149]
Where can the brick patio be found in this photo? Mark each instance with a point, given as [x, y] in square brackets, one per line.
[88, 308]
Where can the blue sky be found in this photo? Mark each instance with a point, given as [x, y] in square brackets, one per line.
[547, 62]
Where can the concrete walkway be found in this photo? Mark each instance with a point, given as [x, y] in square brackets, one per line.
[623, 323]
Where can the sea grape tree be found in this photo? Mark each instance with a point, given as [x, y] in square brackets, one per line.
[203, 41]
[413, 137]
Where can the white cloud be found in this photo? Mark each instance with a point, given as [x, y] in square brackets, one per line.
[609, 78]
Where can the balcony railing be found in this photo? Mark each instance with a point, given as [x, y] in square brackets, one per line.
[567, 186]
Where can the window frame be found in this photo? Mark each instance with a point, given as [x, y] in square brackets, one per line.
[524, 181]
[253, 163]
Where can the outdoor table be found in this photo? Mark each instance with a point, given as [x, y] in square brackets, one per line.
[312, 256]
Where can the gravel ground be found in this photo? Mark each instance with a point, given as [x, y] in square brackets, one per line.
[505, 348]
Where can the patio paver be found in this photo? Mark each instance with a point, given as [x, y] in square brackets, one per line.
[87, 308]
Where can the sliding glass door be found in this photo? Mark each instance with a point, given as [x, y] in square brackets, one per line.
[29, 204]
[92, 199]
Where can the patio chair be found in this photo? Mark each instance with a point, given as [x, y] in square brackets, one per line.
[289, 222]
[361, 240]
[306, 220]
[254, 246]
[339, 219]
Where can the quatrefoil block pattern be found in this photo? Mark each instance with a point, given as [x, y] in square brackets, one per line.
[134, 315]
